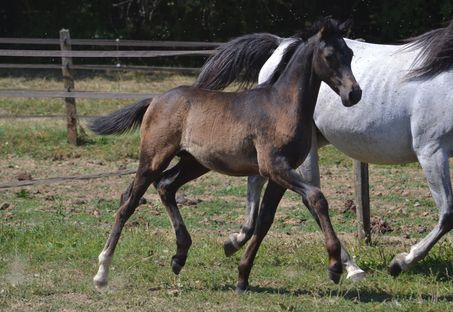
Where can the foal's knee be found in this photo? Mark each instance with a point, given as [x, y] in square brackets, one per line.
[317, 200]
[164, 189]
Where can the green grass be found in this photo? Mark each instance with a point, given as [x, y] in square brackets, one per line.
[46, 139]
[50, 236]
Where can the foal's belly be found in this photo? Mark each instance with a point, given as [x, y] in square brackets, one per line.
[224, 150]
[225, 161]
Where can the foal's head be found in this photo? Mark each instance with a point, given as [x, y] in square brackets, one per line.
[332, 62]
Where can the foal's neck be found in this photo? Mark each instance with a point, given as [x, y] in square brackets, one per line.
[299, 83]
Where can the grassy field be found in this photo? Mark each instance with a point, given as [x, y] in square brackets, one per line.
[50, 236]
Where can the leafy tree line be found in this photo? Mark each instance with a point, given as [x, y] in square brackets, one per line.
[216, 20]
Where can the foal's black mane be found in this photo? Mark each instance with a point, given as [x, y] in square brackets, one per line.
[237, 60]
[242, 58]
[436, 52]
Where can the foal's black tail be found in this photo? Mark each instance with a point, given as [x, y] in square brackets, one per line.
[122, 120]
[237, 60]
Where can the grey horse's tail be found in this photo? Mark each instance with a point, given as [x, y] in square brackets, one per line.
[237, 60]
[122, 120]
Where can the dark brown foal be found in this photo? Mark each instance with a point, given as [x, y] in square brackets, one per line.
[257, 131]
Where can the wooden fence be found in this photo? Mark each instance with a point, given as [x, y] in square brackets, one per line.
[67, 54]
[70, 94]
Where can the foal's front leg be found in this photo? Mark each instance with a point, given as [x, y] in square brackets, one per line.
[271, 199]
[283, 174]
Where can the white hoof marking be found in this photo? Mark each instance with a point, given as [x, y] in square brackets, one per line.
[356, 275]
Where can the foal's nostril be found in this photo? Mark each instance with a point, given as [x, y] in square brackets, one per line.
[355, 95]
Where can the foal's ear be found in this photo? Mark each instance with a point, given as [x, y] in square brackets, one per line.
[346, 26]
[324, 32]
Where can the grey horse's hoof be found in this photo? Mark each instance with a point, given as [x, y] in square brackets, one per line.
[356, 275]
[397, 265]
[176, 266]
[229, 248]
[99, 283]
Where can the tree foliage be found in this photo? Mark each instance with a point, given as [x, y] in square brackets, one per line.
[217, 20]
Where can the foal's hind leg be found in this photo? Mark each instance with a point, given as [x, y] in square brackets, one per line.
[138, 187]
[149, 170]
[186, 170]
[436, 169]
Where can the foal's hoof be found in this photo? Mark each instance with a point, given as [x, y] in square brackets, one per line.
[334, 272]
[241, 288]
[397, 265]
[229, 247]
[334, 275]
[176, 266]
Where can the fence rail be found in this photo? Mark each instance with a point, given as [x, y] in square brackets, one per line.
[67, 54]
[113, 42]
[56, 180]
[101, 54]
[104, 67]
[74, 94]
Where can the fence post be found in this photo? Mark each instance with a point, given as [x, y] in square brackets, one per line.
[362, 195]
[66, 63]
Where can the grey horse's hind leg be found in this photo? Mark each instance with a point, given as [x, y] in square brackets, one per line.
[236, 240]
[437, 171]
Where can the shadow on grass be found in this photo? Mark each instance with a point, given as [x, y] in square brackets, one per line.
[439, 269]
[361, 294]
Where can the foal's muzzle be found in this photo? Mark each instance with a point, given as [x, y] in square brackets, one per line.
[355, 95]
[351, 96]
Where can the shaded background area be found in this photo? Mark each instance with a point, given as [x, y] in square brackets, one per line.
[380, 21]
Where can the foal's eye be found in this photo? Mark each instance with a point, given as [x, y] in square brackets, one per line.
[328, 53]
[329, 56]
